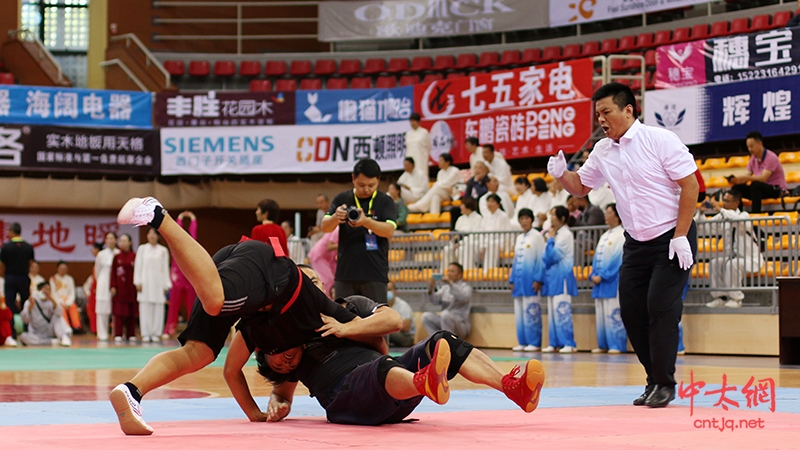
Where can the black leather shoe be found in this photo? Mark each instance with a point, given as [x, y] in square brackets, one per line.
[661, 397]
[643, 398]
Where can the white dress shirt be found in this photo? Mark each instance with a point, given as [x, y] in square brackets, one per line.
[418, 146]
[505, 201]
[641, 170]
[602, 197]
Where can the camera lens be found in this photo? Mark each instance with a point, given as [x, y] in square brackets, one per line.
[353, 214]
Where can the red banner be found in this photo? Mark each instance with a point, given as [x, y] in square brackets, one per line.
[526, 112]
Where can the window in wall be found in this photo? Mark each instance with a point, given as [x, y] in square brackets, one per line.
[63, 28]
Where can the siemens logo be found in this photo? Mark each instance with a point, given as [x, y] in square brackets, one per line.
[231, 144]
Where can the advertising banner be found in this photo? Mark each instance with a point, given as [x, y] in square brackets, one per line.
[725, 112]
[570, 12]
[767, 54]
[41, 105]
[78, 150]
[224, 109]
[347, 106]
[69, 238]
[526, 112]
[281, 149]
[388, 19]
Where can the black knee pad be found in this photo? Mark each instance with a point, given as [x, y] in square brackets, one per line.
[386, 364]
[459, 350]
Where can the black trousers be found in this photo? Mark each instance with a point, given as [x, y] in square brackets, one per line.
[16, 284]
[756, 191]
[650, 289]
[374, 290]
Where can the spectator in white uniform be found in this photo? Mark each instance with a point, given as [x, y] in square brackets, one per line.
[413, 183]
[493, 184]
[418, 144]
[447, 177]
[499, 167]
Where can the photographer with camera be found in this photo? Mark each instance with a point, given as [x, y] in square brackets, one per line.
[367, 219]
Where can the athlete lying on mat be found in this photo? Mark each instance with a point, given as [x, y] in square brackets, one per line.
[240, 280]
[357, 385]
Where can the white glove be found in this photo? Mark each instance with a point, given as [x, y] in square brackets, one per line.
[680, 246]
[557, 165]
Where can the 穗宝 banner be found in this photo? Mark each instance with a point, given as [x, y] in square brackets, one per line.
[388, 19]
[526, 112]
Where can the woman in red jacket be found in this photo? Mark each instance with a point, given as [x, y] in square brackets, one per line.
[124, 306]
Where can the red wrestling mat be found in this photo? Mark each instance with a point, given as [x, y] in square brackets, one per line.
[618, 427]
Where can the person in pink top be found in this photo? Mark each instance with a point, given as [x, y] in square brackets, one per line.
[764, 174]
[182, 292]
[323, 258]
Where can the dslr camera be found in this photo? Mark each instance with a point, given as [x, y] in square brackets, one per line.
[353, 213]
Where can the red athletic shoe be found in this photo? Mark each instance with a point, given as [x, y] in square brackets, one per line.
[431, 381]
[524, 391]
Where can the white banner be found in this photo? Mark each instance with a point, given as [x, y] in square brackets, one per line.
[68, 238]
[281, 148]
[395, 19]
[680, 110]
[569, 12]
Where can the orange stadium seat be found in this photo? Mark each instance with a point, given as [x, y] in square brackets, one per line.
[199, 68]
[626, 43]
[444, 62]
[361, 83]
[397, 65]
[421, 63]
[408, 80]
[260, 85]
[6, 78]
[385, 82]
[249, 68]
[509, 58]
[740, 26]
[488, 59]
[374, 66]
[793, 177]
[176, 68]
[531, 55]
[349, 66]
[719, 29]
[714, 163]
[465, 61]
[700, 31]
[663, 37]
[738, 161]
[789, 157]
[681, 35]
[286, 85]
[300, 68]
[644, 40]
[760, 23]
[275, 68]
[310, 84]
[224, 68]
[571, 51]
[780, 18]
[337, 83]
[324, 67]
[592, 48]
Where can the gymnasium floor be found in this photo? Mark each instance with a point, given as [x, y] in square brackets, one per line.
[57, 398]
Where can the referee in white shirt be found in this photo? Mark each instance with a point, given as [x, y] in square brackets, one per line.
[651, 174]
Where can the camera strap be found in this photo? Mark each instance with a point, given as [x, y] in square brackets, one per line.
[371, 200]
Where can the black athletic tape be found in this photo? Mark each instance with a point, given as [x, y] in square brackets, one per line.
[158, 217]
[459, 350]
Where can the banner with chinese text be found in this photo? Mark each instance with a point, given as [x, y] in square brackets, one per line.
[526, 112]
[69, 238]
[78, 150]
[41, 105]
[223, 109]
[281, 148]
[570, 12]
[725, 112]
[396, 19]
[354, 105]
[766, 54]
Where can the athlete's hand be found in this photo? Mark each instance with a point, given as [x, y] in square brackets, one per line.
[680, 246]
[557, 165]
[277, 409]
[331, 326]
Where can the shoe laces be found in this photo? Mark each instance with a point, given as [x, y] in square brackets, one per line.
[510, 380]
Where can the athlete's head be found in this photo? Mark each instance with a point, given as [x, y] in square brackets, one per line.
[312, 275]
[277, 366]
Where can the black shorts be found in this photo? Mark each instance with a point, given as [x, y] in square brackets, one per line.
[210, 330]
[363, 400]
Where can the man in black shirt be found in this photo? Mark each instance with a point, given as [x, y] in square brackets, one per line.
[363, 267]
[16, 256]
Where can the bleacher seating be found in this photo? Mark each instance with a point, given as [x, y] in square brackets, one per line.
[6, 78]
[286, 84]
[324, 67]
[275, 68]
[224, 68]
[199, 68]
[300, 68]
[250, 68]
[260, 85]
[337, 83]
[176, 68]
[360, 83]
[310, 83]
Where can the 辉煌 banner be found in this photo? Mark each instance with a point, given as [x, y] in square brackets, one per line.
[224, 109]
[281, 149]
[724, 112]
[526, 112]
[394, 19]
[40, 105]
[78, 150]
[69, 238]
